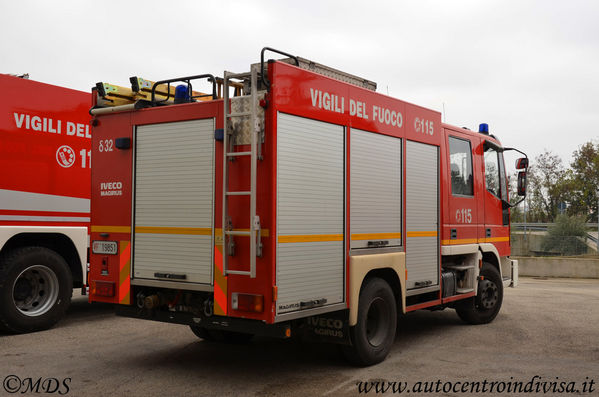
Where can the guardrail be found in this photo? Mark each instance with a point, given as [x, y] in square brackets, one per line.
[542, 227]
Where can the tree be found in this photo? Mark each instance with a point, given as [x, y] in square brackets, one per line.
[535, 198]
[584, 181]
[548, 186]
[517, 212]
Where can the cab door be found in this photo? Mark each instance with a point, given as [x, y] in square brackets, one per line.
[495, 194]
[463, 194]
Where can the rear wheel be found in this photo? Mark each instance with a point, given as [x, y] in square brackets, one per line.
[484, 307]
[35, 289]
[373, 336]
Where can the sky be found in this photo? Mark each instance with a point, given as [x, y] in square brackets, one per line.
[530, 69]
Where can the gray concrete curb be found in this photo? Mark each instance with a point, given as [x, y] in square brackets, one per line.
[558, 267]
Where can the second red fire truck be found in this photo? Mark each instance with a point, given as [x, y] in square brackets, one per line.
[45, 157]
[294, 199]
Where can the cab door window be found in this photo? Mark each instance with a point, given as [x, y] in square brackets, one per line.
[495, 180]
[494, 173]
[460, 160]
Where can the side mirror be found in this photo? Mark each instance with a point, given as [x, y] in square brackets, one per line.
[522, 182]
[522, 163]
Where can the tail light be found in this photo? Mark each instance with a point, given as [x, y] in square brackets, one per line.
[102, 288]
[247, 302]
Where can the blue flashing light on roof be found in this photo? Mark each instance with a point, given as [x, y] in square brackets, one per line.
[483, 128]
[182, 94]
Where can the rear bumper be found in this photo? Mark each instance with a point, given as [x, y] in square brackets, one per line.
[256, 327]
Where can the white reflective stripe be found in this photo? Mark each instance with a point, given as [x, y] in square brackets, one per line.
[24, 201]
[44, 218]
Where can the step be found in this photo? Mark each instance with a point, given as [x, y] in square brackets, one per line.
[235, 154]
[238, 193]
[237, 233]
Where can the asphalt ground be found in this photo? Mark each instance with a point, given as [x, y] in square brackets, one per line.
[545, 340]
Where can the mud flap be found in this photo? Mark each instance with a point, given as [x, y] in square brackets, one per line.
[514, 282]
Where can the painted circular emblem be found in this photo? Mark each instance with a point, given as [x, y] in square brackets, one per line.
[65, 156]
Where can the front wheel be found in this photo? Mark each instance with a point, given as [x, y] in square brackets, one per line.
[483, 308]
[373, 336]
[35, 289]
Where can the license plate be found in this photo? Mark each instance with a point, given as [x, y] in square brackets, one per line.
[104, 247]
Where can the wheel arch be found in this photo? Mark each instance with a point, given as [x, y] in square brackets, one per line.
[390, 267]
[391, 277]
[58, 242]
[491, 256]
[488, 251]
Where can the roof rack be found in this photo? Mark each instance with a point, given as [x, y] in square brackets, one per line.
[144, 93]
[322, 69]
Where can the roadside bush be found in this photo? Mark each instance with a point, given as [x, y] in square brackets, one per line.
[567, 236]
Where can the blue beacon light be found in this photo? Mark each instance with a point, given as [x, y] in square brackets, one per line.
[182, 94]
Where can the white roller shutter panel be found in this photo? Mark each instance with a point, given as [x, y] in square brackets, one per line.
[375, 208]
[310, 212]
[422, 214]
[174, 172]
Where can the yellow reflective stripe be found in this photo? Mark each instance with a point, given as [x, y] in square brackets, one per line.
[311, 238]
[124, 289]
[201, 231]
[220, 283]
[496, 239]
[110, 229]
[374, 236]
[474, 241]
[423, 234]
[459, 241]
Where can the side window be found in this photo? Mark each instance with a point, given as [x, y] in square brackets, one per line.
[502, 177]
[495, 179]
[460, 160]
[492, 180]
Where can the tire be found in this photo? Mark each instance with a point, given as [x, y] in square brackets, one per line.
[213, 335]
[483, 308]
[373, 336]
[36, 286]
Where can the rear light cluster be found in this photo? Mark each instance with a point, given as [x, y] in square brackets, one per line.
[102, 288]
[247, 302]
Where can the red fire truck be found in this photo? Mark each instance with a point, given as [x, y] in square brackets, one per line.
[44, 200]
[299, 202]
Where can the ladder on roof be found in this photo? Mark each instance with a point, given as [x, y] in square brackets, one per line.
[231, 133]
[114, 95]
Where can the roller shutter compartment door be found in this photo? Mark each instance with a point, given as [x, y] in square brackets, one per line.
[173, 199]
[422, 214]
[375, 218]
[310, 213]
